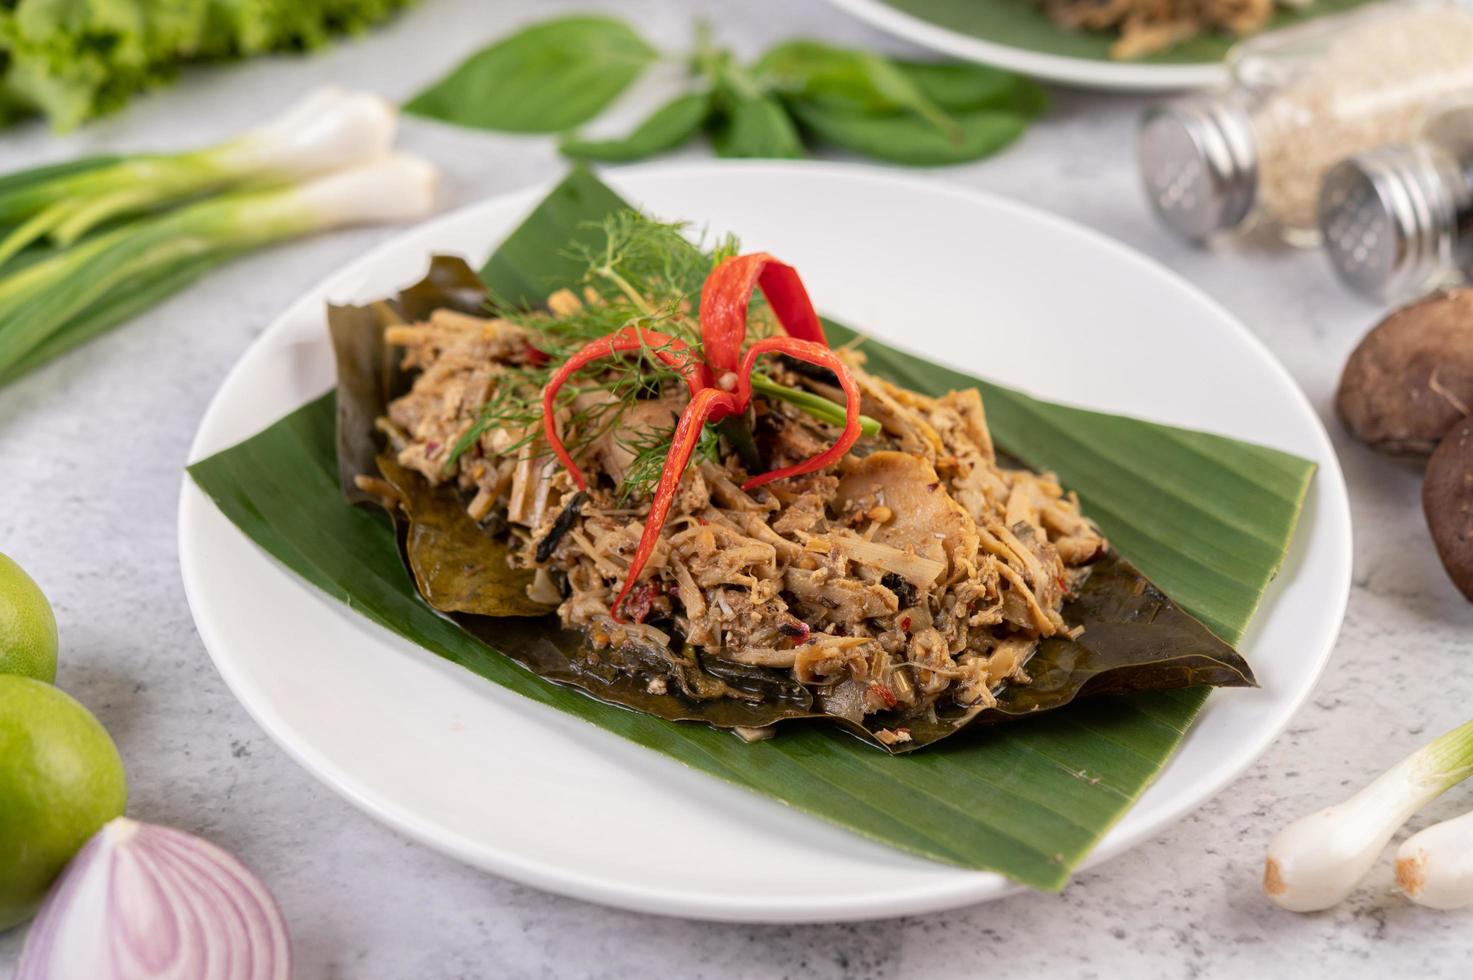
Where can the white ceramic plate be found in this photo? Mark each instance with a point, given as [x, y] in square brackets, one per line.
[1123, 76]
[526, 792]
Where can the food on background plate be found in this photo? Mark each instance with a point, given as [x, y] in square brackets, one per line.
[731, 521]
[1148, 26]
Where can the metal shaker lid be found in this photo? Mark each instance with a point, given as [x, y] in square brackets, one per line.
[1199, 165]
[1390, 218]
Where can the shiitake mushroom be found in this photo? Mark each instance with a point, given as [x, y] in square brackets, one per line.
[1411, 378]
[1447, 500]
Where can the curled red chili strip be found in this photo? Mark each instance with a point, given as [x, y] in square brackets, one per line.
[720, 386]
[813, 354]
[682, 445]
[672, 351]
[726, 295]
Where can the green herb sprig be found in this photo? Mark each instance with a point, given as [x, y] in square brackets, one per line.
[644, 273]
[800, 94]
[637, 272]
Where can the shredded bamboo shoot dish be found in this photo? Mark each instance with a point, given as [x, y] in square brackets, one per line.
[1148, 26]
[689, 470]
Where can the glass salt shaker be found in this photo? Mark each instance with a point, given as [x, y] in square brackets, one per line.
[1398, 220]
[1299, 101]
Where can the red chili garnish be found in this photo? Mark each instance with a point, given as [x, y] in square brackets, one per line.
[724, 299]
[798, 630]
[672, 351]
[905, 624]
[720, 386]
[533, 356]
[886, 695]
[639, 601]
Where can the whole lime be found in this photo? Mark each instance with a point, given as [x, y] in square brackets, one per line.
[60, 780]
[27, 627]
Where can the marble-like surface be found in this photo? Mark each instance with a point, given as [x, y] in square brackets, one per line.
[91, 451]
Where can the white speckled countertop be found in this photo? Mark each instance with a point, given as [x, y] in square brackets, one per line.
[92, 450]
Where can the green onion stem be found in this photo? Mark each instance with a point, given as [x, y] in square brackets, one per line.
[1448, 759]
[818, 406]
[738, 434]
[62, 299]
[327, 132]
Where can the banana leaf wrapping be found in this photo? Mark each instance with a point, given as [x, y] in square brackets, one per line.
[1135, 638]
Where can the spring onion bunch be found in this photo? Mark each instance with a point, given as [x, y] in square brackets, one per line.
[326, 131]
[1318, 860]
[126, 233]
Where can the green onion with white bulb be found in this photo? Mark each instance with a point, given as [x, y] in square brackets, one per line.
[87, 246]
[1317, 861]
[327, 131]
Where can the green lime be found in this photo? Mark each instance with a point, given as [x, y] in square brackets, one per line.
[60, 780]
[27, 627]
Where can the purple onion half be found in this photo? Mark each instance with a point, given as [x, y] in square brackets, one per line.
[142, 901]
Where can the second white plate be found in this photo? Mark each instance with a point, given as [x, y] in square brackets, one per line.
[1091, 73]
[994, 288]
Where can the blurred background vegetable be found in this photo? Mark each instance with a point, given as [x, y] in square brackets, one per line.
[326, 131]
[72, 60]
[126, 233]
[559, 74]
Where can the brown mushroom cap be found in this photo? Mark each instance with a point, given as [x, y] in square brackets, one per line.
[1447, 500]
[1411, 378]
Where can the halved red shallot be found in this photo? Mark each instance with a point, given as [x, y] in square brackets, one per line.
[143, 901]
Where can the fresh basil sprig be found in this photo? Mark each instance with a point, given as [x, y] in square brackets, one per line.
[546, 78]
[669, 126]
[554, 76]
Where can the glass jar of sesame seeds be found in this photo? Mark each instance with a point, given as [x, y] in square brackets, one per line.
[1299, 101]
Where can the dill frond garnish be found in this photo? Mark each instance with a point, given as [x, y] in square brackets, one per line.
[650, 449]
[645, 273]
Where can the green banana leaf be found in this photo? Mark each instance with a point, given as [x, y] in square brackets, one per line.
[1209, 520]
[1023, 24]
[1135, 637]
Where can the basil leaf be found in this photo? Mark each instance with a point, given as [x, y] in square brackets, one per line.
[758, 126]
[965, 87]
[909, 139]
[667, 127]
[546, 78]
[845, 78]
